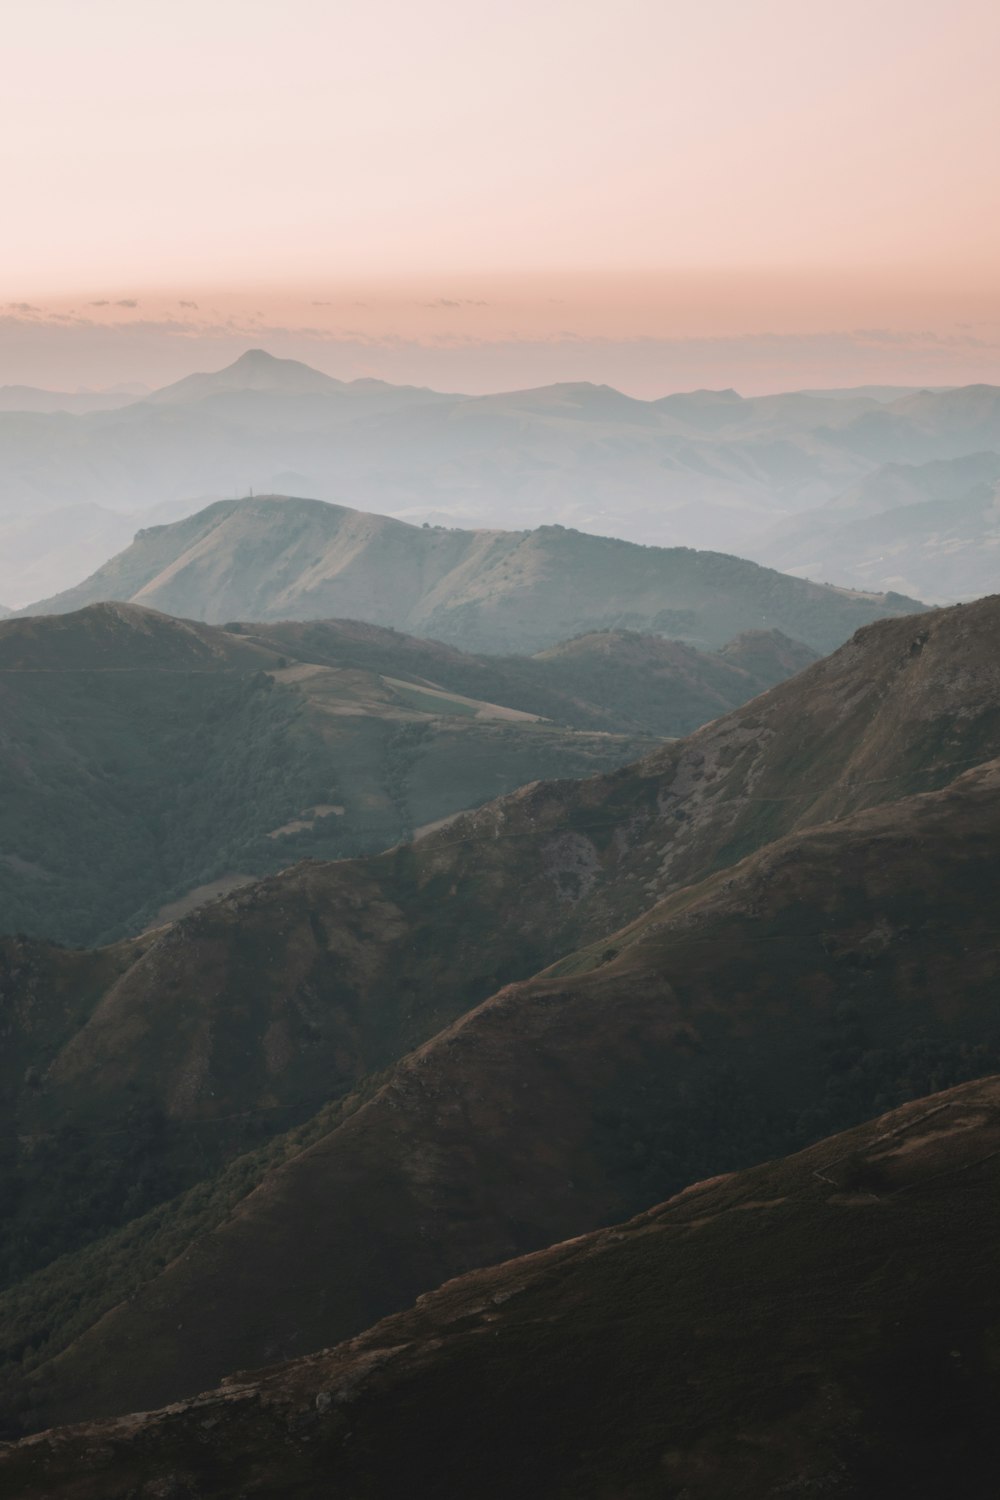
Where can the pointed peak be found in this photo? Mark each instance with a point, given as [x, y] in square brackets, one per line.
[258, 357]
[254, 370]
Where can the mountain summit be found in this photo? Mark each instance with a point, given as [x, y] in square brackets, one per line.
[256, 370]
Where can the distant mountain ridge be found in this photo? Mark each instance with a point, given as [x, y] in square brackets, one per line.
[276, 557]
[708, 469]
[693, 468]
[933, 528]
[27, 398]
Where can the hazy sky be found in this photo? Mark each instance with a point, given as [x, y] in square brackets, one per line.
[461, 191]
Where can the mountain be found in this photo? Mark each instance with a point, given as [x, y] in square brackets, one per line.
[739, 1019]
[147, 760]
[255, 370]
[820, 1324]
[275, 558]
[27, 398]
[754, 936]
[880, 393]
[575, 453]
[610, 679]
[928, 527]
[708, 469]
[41, 551]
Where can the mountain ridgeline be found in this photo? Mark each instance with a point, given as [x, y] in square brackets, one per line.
[932, 529]
[705, 469]
[544, 1017]
[277, 558]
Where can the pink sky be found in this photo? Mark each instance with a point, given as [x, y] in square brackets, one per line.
[800, 193]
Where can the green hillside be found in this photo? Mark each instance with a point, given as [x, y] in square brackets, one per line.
[144, 758]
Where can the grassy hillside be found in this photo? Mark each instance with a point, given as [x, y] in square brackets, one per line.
[144, 757]
[823, 1324]
[275, 558]
[836, 973]
[613, 679]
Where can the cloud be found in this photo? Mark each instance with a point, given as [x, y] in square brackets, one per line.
[453, 302]
[102, 303]
[23, 307]
[182, 303]
[127, 302]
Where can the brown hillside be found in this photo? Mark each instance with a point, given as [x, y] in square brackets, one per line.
[249, 1015]
[825, 1324]
[840, 969]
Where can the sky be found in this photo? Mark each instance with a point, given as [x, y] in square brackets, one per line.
[757, 193]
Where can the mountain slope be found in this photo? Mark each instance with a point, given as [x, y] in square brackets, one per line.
[605, 680]
[309, 981]
[820, 1324]
[903, 708]
[931, 528]
[835, 971]
[278, 558]
[22, 398]
[296, 989]
[145, 756]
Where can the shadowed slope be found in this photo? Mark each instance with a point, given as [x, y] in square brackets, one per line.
[248, 1015]
[143, 758]
[840, 969]
[821, 1324]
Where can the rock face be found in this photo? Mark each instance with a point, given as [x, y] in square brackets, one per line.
[278, 558]
[821, 1324]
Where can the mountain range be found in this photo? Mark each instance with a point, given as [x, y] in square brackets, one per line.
[493, 942]
[149, 762]
[708, 469]
[932, 529]
[330, 1091]
[280, 558]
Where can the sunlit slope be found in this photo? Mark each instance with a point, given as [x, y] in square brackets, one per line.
[275, 558]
